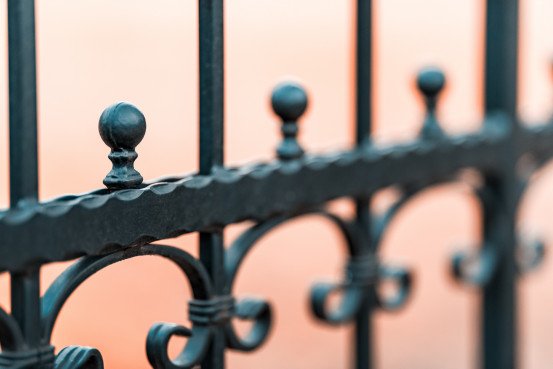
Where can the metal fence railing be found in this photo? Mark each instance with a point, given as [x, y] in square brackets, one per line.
[120, 221]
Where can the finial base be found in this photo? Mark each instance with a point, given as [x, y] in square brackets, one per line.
[431, 129]
[123, 175]
[289, 149]
[123, 179]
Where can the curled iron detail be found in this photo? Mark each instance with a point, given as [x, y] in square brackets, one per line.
[195, 349]
[351, 300]
[160, 334]
[403, 278]
[530, 252]
[382, 222]
[11, 338]
[360, 273]
[259, 310]
[530, 256]
[250, 309]
[78, 357]
[475, 268]
[400, 276]
[41, 357]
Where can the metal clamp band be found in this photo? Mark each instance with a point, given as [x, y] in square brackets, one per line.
[215, 311]
[363, 270]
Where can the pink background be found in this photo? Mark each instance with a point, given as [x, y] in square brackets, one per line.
[92, 53]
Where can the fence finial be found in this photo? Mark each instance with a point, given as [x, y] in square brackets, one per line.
[289, 102]
[122, 126]
[430, 82]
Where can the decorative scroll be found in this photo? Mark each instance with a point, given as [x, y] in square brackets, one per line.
[160, 334]
[11, 338]
[77, 357]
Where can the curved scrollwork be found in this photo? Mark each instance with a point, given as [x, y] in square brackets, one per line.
[158, 340]
[381, 222]
[531, 256]
[15, 352]
[478, 267]
[11, 338]
[531, 252]
[474, 268]
[160, 334]
[353, 290]
[259, 311]
[402, 278]
[41, 357]
[399, 276]
[78, 357]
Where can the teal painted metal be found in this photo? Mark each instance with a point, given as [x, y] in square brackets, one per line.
[295, 184]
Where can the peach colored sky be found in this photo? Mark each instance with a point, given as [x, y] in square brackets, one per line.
[92, 53]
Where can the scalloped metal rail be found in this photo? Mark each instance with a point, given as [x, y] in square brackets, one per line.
[101, 221]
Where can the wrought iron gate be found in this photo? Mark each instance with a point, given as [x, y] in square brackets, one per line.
[120, 222]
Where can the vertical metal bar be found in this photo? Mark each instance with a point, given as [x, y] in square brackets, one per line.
[211, 25]
[212, 256]
[363, 72]
[501, 56]
[25, 302]
[25, 285]
[23, 106]
[363, 321]
[211, 85]
[499, 302]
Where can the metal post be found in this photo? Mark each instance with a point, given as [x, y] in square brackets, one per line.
[25, 285]
[363, 321]
[499, 303]
[211, 85]
[211, 14]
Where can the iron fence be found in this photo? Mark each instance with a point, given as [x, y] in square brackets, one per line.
[123, 219]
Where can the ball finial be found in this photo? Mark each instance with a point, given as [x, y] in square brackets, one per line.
[289, 101]
[430, 82]
[122, 126]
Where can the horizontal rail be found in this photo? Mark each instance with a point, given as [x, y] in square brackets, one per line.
[103, 221]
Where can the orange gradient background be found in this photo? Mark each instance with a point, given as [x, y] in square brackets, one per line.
[92, 53]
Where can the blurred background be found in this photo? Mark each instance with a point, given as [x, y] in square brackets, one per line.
[92, 53]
